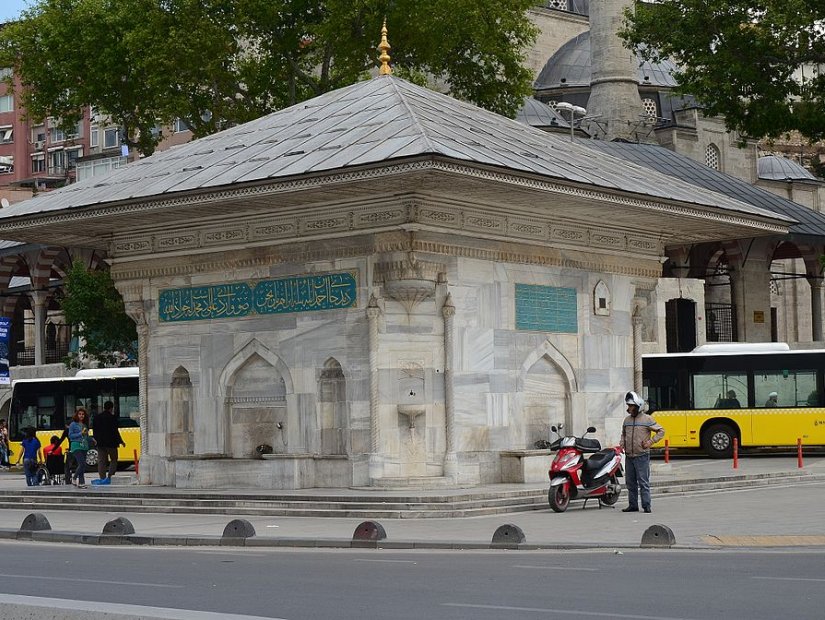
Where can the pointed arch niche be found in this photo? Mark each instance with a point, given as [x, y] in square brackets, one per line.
[549, 383]
[180, 431]
[255, 384]
[332, 408]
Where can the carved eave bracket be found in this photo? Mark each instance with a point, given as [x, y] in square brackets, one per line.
[408, 280]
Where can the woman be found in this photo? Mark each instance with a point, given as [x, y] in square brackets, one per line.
[31, 454]
[5, 453]
[79, 445]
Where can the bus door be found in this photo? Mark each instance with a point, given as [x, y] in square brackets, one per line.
[662, 396]
[127, 408]
[721, 395]
[36, 405]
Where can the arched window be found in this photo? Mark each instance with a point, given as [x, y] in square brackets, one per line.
[332, 403]
[601, 299]
[713, 158]
[651, 111]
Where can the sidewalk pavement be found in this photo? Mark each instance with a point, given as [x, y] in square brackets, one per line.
[774, 506]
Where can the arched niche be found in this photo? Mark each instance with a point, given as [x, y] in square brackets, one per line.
[180, 425]
[255, 384]
[547, 384]
[333, 414]
[601, 299]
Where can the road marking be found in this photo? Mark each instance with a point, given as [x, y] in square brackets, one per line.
[385, 561]
[764, 541]
[565, 568]
[36, 606]
[74, 579]
[571, 612]
[791, 579]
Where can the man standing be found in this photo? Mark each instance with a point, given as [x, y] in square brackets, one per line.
[107, 438]
[636, 441]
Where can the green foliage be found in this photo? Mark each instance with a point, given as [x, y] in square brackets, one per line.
[215, 63]
[93, 305]
[752, 62]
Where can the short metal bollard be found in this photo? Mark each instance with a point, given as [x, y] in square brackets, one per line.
[658, 536]
[239, 528]
[508, 534]
[369, 530]
[119, 527]
[35, 522]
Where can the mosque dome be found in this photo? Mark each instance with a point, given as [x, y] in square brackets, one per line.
[775, 168]
[540, 115]
[570, 67]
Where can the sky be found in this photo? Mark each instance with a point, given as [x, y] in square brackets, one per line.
[10, 9]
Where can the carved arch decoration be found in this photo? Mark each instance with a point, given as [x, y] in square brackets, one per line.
[537, 410]
[240, 359]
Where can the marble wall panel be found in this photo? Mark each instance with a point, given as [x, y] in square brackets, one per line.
[475, 350]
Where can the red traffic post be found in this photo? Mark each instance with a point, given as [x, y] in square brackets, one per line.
[137, 471]
[667, 450]
[736, 453]
[799, 463]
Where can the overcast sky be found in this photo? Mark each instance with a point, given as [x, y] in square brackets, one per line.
[9, 9]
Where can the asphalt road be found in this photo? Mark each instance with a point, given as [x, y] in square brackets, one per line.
[496, 585]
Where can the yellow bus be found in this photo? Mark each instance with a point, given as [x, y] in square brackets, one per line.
[48, 404]
[762, 394]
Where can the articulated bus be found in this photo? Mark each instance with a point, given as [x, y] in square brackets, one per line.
[762, 394]
[48, 404]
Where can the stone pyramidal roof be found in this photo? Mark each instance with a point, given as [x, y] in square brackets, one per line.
[381, 120]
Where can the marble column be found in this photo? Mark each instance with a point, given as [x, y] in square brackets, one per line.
[136, 311]
[637, 319]
[450, 459]
[817, 287]
[39, 299]
[373, 312]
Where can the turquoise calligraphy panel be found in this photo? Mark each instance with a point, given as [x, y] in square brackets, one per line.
[546, 309]
[222, 301]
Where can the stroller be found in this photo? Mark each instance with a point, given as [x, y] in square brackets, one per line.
[52, 471]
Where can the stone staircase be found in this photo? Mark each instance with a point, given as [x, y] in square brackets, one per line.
[372, 505]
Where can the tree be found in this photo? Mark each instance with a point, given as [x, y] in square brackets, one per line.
[92, 304]
[215, 63]
[760, 64]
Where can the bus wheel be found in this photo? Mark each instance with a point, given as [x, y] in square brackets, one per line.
[91, 457]
[717, 441]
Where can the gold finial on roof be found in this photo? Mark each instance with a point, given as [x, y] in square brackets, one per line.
[384, 47]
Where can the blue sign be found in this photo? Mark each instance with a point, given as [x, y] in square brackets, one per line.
[328, 291]
[5, 329]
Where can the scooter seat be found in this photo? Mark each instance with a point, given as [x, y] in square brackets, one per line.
[599, 460]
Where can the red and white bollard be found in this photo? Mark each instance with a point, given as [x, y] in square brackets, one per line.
[736, 453]
[667, 450]
[137, 472]
[799, 463]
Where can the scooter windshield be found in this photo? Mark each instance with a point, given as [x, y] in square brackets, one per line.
[568, 442]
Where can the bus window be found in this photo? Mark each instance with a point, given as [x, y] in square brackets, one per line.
[128, 402]
[662, 390]
[785, 388]
[720, 390]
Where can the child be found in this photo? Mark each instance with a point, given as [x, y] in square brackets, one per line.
[53, 449]
[31, 451]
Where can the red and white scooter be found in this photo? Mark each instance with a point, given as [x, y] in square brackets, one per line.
[574, 477]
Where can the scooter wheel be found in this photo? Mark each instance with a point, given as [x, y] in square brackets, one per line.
[559, 498]
[608, 499]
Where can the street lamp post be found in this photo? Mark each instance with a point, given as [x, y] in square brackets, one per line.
[574, 111]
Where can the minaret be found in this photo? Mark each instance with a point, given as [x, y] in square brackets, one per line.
[614, 85]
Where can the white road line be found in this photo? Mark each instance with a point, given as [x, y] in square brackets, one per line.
[564, 568]
[570, 612]
[20, 606]
[385, 561]
[790, 579]
[76, 580]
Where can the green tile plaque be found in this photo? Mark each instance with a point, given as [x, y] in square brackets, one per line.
[327, 291]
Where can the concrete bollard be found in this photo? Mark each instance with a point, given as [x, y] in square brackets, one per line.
[239, 528]
[369, 530]
[118, 527]
[508, 534]
[35, 522]
[658, 536]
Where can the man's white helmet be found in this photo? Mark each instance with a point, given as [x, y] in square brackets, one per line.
[632, 398]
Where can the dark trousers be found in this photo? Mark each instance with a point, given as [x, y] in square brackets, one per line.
[106, 462]
[68, 468]
[637, 475]
[79, 474]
